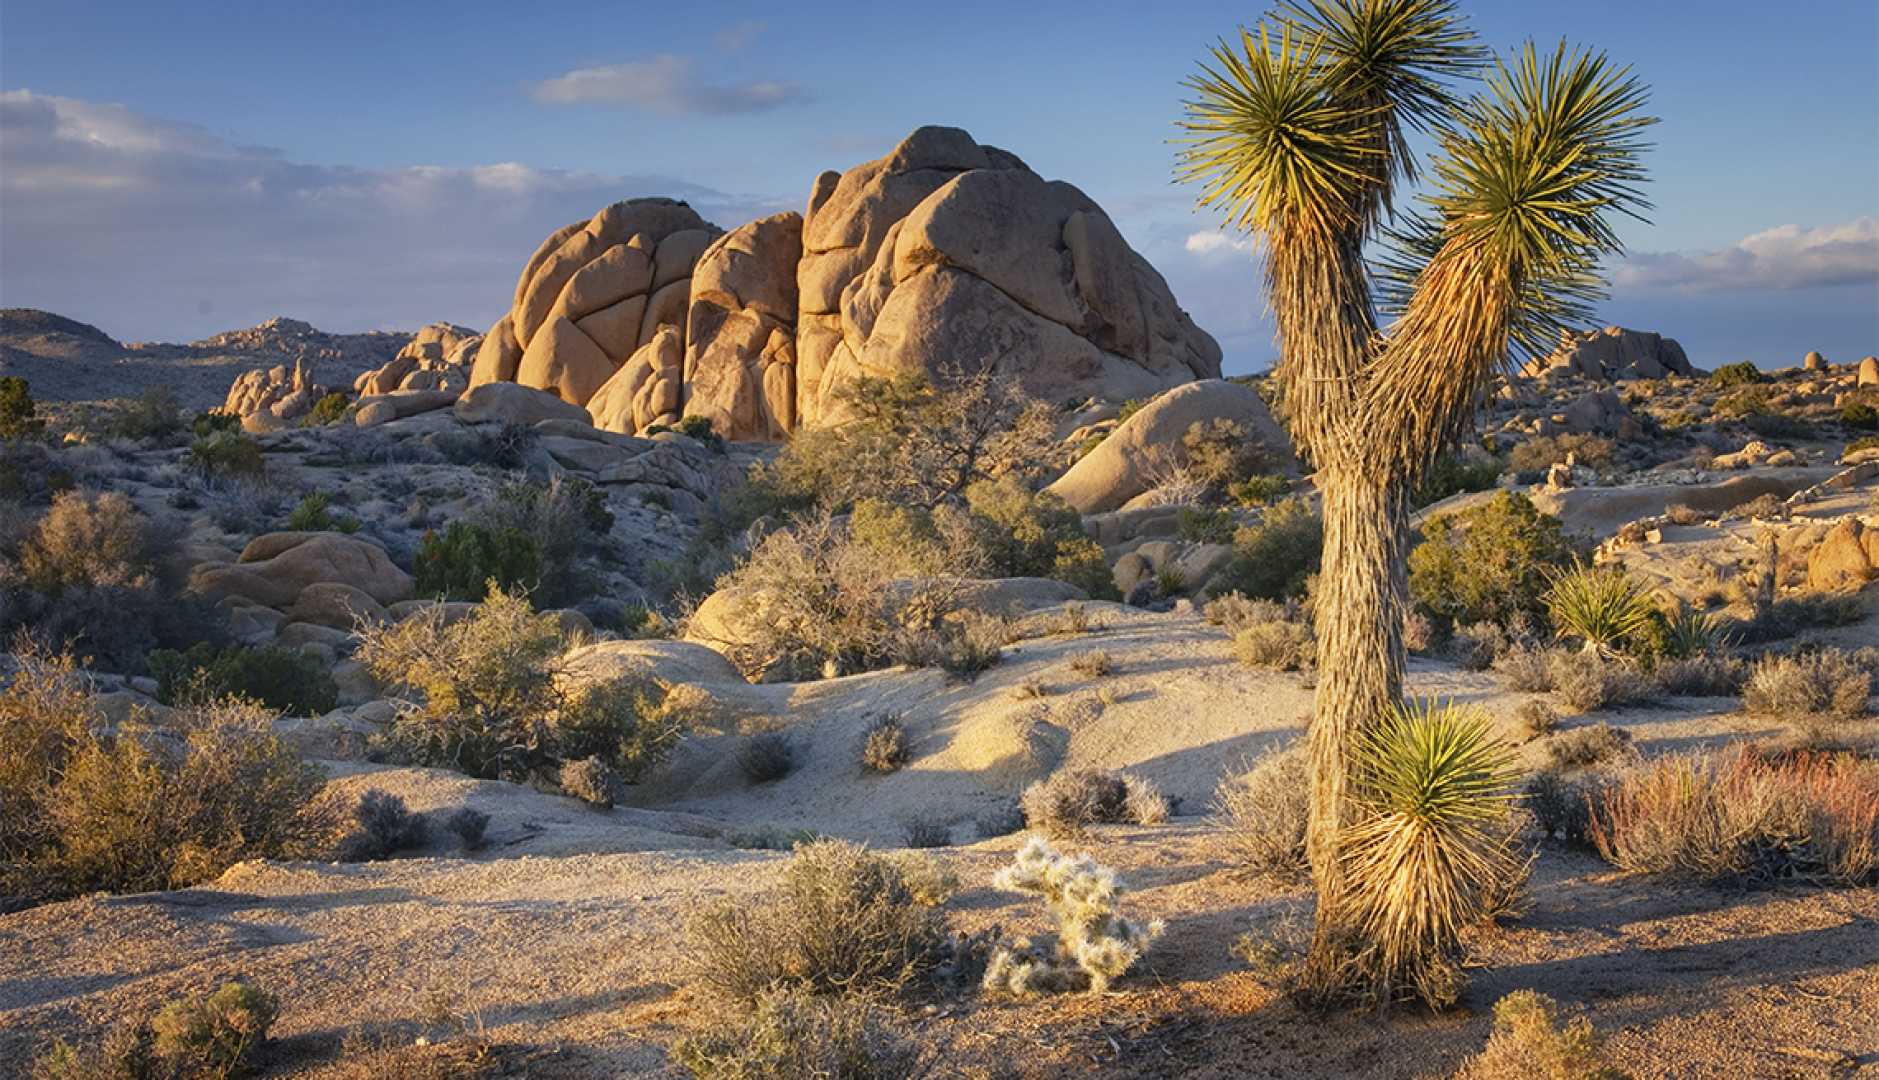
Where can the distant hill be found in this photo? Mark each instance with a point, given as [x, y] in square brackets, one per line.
[67, 360]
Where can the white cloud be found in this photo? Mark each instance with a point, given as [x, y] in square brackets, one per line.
[1214, 242]
[1782, 258]
[157, 229]
[738, 36]
[665, 84]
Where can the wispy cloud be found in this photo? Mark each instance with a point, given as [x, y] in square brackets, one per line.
[1785, 257]
[137, 223]
[738, 36]
[1217, 242]
[665, 83]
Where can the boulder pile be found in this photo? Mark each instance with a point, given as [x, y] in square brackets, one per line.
[1612, 354]
[944, 255]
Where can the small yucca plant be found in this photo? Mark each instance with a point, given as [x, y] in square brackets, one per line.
[1601, 606]
[1689, 632]
[1430, 850]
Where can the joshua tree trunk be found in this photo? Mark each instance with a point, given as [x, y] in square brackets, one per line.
[1360, 601]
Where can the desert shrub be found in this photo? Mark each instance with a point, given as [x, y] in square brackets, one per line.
[1220, 454]
[1743, 373]
[206, 1037]
[1860, 417]
[1703, 675]
[1277, 646]
[1262, 490]
[1543, 452]
[1272, 559]
[501, 446]
[1093, 664]
[315, 514]
[1736, 815]
[1264, 810]
[1234, 612]
[771, 838]
[1488, 563]
[561, 518]
[1775, 425]
[386, 827]
[1419, 633]
[1144, 803]
[330, 409]
[1455, 473]
[1095, 944]
[227, 454]
[1561, 803]
[592, 781]
[462, 563]
[1204, 525]
[919, 832]
[1527, 668]
[134, 811]
[1001, 821]
[790, 1035]
[1529, 1043]
[884, 747]
[1025, 533]
[19, 413]
[844, 921]
[1594, 744]
[1601, 607]
[1067, 801]
[151, 416]
[469, 826]
[631, 724]
[1536, 718]
[86, 539]
[1477, 646]
[1588, 681]
[915, 442]
[286, 680]
[1815, 691]
[214, 422]
[1433, 851]
[766, 756]
[968, 644]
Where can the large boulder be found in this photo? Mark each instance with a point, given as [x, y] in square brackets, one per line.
[947, 255]
[511, 403]
[1614, 353]
[276, 568]
[594, 293]
[740, 345]
[1128, 462]
[272, 397]
[1846, 557]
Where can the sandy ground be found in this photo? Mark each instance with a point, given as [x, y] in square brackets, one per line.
[565, 937]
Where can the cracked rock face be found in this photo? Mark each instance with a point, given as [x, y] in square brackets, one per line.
[592, 295]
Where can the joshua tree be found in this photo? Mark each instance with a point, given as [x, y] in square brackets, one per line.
[1299, 131]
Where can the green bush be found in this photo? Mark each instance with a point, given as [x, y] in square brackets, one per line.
[19, 413]
[315, 514]
[215, 422]
[1738, 374]
[1273, 559]
[211, 1037]
[1455, 473]
[1025, 533]
[1221, 455]
[1204, 525]
[562, 518]
[463, 563]
[153, 415]
[1860, 417]
[1489, 563]
[328, 410]
[1259, 490]
[227, 453]
[286, 680]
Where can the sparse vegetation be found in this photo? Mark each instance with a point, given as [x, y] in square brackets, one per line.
[315, 514]
[1594, 744]
[227, 454]
[1818, 692]
[884, 746]
[386, 827]
[285, 680]
[1589, 681]
[1282, 645]
[766, 756]
[1068, 801]
[1529, 1043]
[843, 921]
[1489, 563]
[791, 1035]
[1263, 810]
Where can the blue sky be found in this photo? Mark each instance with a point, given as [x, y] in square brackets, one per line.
[167, 171]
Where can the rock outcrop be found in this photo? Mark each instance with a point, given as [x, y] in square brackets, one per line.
[944, 256]
[593, 294]
[1129, 461]
[1614, 353]
[270, 399]
[436, 358]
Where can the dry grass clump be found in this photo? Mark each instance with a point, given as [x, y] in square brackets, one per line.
[1738, 815]
[843, 921]
[1536, 718]
[1264, 810]
[791, 1035]
[1817, 692]
[1526, 668]
[1277, 646]
[1530, 1043]
[1093, 664]
[386, 827]
[1067, 801]
[1561, 803]
[884, 747]
[1095, 944]
[1478, 645]
[1588, 681]
[215, 1036]
[1234, 612]
[921, 832]
[1593, 744]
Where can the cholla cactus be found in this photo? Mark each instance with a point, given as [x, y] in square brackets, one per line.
[1095, 944]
